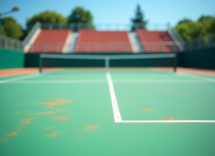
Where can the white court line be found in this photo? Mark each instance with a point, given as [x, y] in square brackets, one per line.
[195, 76]
[20, 78]
[116, 113]
[166, 121]
[62, 81]
[115, 81]
[158, 81]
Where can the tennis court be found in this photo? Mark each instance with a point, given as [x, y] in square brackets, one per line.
[120, 112]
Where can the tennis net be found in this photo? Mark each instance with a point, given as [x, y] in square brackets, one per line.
[108, 60]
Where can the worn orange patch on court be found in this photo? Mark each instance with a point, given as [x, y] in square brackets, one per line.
[49, 128]
[169, 118]
[43, 113]
[60, 118]
[26, 121]
[2, 139]
[52, 135]
[12, 134]
[91, 127]
[57, 102]
[57, 110]
[148, 110]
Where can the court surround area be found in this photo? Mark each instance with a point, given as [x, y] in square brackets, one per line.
[142, 111]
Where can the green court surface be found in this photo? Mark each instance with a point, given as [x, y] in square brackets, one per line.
[95, 113]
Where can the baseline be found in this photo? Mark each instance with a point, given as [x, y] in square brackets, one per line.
[195, 76]
[20, 78]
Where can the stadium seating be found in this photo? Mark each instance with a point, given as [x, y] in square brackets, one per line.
[152, 41]
[50, 40]
[103, 41]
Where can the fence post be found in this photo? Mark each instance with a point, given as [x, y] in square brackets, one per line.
[150, 47]
[31, 50]
[50, 26]
[5, 44]
[199, 42]
[209, 41]
[191, 45]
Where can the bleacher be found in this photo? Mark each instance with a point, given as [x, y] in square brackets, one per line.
[60, 40]
[50, 40]
[156, 41]
[103, 41]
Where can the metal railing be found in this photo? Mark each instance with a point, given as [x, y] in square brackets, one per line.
[10, 43]
[177, 38]
[30, 34]
[199, 43]
[117, 26]
[103, 47]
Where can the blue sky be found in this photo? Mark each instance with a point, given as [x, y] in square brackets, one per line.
[115, 11]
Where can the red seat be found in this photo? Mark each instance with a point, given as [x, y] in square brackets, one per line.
[156, 41]
[103, 41]
[50, 41]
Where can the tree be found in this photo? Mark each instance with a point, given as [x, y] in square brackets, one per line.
[11, 28]
[82, 18]
[206, 19]
[46, 17]
[138, 21]
[186, 21]
[191, 30]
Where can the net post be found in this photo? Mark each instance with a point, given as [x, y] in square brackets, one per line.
[107, 64]
[40, 63]
[175, 62]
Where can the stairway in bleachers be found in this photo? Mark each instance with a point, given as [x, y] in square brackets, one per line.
[103, 41]
[50, 40]
[156, 41]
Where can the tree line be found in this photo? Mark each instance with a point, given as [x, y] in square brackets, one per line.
[187, 28]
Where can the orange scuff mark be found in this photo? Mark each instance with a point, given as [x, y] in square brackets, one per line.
[91, 127]
[57, 110]
[49, 128]
[134, 112]
[11, 134]
[26, 121]
[146, 110]
[57, 102]
[2, 139]
[168, 118]
[15, 113]
[62, 111]
[155, 88]
[60, 118]
[119, 105]
[23, 127]
[52, 135]
[43, 113]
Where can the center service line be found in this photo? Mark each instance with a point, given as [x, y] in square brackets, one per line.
[116, 113]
